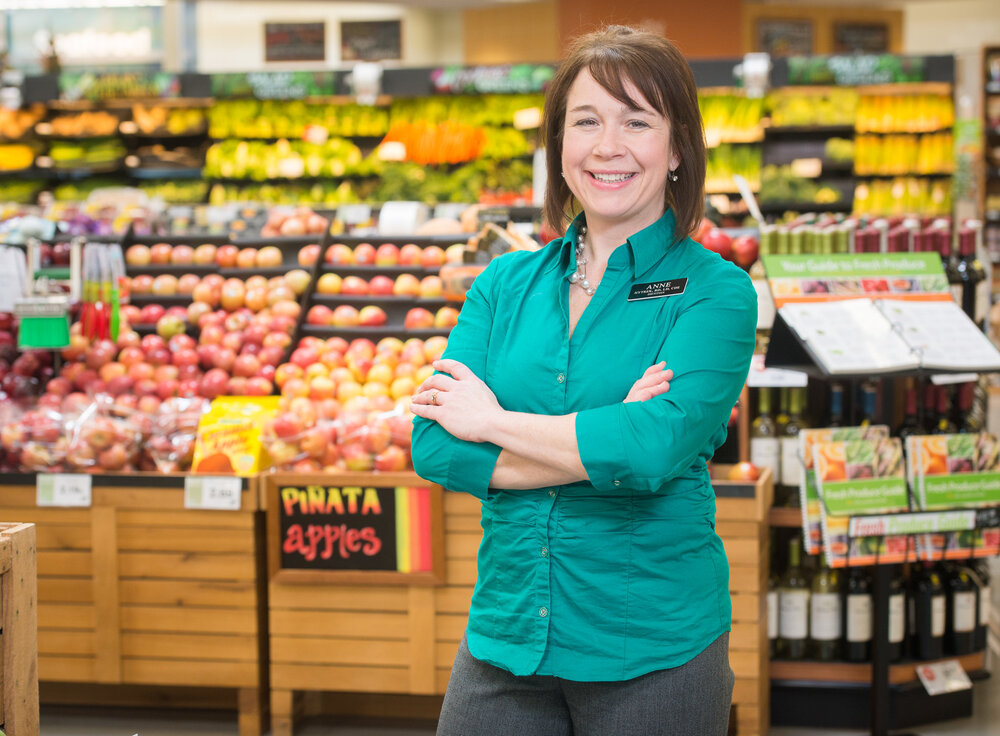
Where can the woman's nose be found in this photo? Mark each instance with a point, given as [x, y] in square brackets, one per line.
[609, 142]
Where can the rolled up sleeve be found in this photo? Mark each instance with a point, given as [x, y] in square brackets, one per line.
[438, 456]
[642, 445]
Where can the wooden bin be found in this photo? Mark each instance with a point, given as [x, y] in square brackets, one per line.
[136, 590]
[18, 624]
[741, 521]
[362, 635]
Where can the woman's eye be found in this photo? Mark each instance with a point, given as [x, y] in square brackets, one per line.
[584, 122]
[638, 124]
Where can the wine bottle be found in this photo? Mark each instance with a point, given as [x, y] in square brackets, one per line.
[911, 423]
[782, 417]
[975, 289]
[791, 464]
[869, 402]
[966, 418]
[825, 624]
[927, 409]
[772, 615]
[793, 606]
[897, 613]
[836, 405]
[764, 446]
[960, 620]
[985, 604]
[928, 614]
[858, 616]
[942, 421]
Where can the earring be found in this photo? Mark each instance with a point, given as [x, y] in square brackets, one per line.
[563, 174]
[672, 175]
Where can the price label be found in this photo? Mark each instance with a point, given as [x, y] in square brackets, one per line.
[761, 377]
[943, 677]
[63, 489]
[944, 379]
[212, 492]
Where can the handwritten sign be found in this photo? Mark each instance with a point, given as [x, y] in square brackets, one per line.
[212, 492]
[295, 41]
[63, 489]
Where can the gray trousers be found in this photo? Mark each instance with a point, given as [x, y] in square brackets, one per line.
[690, 700]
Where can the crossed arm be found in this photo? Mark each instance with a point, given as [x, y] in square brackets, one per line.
[536, 450]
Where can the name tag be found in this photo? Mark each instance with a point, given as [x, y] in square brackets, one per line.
[657, 289]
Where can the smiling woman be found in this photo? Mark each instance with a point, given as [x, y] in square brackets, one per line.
[583, 389]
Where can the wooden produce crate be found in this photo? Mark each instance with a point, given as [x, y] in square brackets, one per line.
[742, 522]
[18, 624]
[137, 590]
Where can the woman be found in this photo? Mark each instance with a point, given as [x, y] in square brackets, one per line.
[602, 602]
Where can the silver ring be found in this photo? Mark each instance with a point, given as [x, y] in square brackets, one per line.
[434, 398]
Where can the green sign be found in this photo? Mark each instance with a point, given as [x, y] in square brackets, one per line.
[856, 69]
[920, 523]
[274, 85]
[126, 85]
[960, 489]
[857, 265]
[504, 79]
[872, 495]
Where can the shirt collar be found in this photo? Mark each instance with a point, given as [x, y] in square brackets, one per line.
[648, 246]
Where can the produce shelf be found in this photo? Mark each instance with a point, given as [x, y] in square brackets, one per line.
[166, 300]
[845, 206]
[939, 174]
[784, 517]
[373, 333]
[369, 271]
[166, 172]
[155, 269]
[334, 300]
[806, 130]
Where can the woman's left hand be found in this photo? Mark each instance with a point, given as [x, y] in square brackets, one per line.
[458, 400]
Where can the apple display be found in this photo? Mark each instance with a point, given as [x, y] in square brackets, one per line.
[418, 318]
[344, 316]
[328, 283]
[182, 255]
[137, 255]
[371, 316]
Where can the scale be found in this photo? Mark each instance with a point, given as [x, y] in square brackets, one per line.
[49, 293]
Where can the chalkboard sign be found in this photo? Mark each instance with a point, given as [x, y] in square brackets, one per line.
[784, 37]
[375, 40]
[863, 38]
[359, 527]
[295, 41]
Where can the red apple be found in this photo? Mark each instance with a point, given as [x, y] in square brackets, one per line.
[371, 316]
[410, 254]
[213, 383]
[344, 316]
[319, 314]
[364, 254]
[432, 257]
[159, 254]
[338, 253]
[387, 254]
[151, 314]
[745, 250]
[268, 257]
[354, 286]
[418, 318]
[204, 255]
[744, 472]
[381, 285]
[226, 255]
[718, 241]
[308, 254]
[182, 255]
[137, 255]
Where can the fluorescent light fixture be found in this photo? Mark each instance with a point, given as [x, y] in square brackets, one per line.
[54, 4]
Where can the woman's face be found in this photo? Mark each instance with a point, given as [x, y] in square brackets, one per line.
[615, 159]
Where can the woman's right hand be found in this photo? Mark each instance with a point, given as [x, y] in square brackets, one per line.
[653, 382]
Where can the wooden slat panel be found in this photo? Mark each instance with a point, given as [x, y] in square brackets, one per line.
[346, 679]
[63, 537]
[728, 529]
[453, 599]
[442, 675]
[444, 652]
[64, 564]
[189, 620]
[746, 636]
[748, 720]
[735, 509]
[28, 512]
[462, 546]
[456, 523]
[192, 566]
[460, 572]
[747, 607]
[460, 504]
[65, 590]
[190, 646]
[191, 593]
[66, 616]
[65, 669]
[743, 552]
[339, 597]
[104, 539]
[744, 664]
[187, 519]
[167, 539]
[339, 651]
[421, 630]
[374, 625]
[746, 579]
[58, 643]
[179, 672]
[746, 690]
[450, 627]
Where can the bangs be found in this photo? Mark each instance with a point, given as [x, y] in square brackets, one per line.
[613, 72]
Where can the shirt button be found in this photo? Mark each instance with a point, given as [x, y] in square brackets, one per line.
[617, 483]
[552, 493]
[545, 551]
[543, 612]
[561, 377]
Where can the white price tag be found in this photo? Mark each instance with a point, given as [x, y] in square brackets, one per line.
[761, 377]
[63, 489]
[213, 492]
[943, 379]
[402, 218]
[943, 677]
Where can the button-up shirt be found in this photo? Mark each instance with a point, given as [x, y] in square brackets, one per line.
[623, 574]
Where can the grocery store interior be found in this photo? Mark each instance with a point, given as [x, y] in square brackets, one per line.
[234, 237]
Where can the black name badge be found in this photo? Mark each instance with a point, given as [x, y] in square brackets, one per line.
[657, 289]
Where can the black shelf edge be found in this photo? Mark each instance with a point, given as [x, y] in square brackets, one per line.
[140, 172]
[121, 480]
[164, 299]
[275, 139]
[156, 135]
[363, 300]
[774, 207]
[938, 175]
[157, 269]
[369, 271]
[805, 130]
[423, 241]
[929, 131]
[375, 333]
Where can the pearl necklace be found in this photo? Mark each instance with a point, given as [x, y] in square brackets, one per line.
[580, 277]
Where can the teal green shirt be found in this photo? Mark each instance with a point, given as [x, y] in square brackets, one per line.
[609, 579]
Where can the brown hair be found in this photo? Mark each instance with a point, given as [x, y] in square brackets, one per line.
[614, 56]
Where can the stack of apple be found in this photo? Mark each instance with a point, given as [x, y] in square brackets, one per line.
[742, 250]
[222, 256]
[372, 315]
[364, 434]
[22, 375]
[38, 440]
[409, 255]
[335, 369]
[300, 221]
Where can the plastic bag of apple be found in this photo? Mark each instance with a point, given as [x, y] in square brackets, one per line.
[106, 437]
[38, 438]
[174, 430]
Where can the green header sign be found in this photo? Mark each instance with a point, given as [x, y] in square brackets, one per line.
[857, 265]
[856, 69]
[873, 495]
[274, 85]
[960, 489]
[127, 85]
[504, 79]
